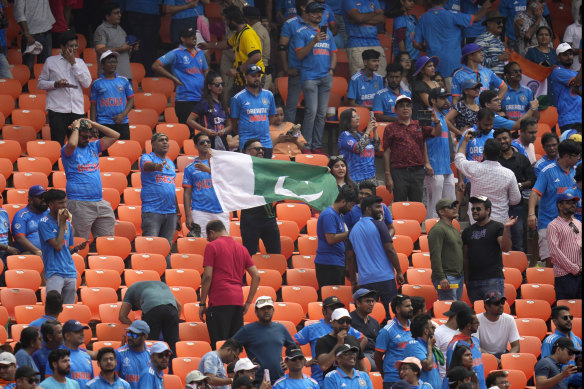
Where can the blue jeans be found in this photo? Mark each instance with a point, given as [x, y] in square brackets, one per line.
[450, 294]
[386, 291]
[294, 91]
[518, 230]
[316, 96]
[159, 224]
[341, 37]
[569, 287]
[478, 289]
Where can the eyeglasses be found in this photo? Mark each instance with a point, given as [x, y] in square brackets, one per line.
[218, 84]
[344, 321]
[132, 335]
[452, 206]
[257, 149]
[500, 302]
[204, 142]
[32, 380]
[574, 228]
[476, 209]
[568, 317]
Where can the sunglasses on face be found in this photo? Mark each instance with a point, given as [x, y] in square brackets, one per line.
[477, 209]
[500, 302]
[33, 380]
[568, 317]
[296, 359]
[344, 321]
[204, 142]
[132, 335]
[575, 229]
[218, 84]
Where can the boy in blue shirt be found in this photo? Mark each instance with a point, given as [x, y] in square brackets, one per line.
[364, 84]
[569, 103]
[112, 96]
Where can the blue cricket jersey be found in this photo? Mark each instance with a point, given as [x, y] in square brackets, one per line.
[82, 172]
[337, 379]
[474, 147]
[546, 346]
[363, 89]
[568, 103]
[363, 35]
[477, 357]
[336, 6]
[330, 222]
[356, 213]
[4, 227]
[486, 76]
[158, 191]
[286, 382]
[100, 383]
[189, 68]
[26, 223]
[151, 379]
[509, 9]
[418, 348]
[552, 181]
[252, 113]
[392, 341]
[471, 7]
[317, 63]
[409, 23]
[289, 29]
[186, 13]
[439, 149]
[516, 102]
[288, 8]
[361, 164]
[130, 364]
[203, 196]
[111, 97]
[384, 101]
[81, 367]
[56, 263]
[368, 237]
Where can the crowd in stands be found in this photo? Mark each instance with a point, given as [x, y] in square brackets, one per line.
[458, 267]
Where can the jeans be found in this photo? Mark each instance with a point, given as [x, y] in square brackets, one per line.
[569, 287]
[386, 291]
[4, 66]
[438, 186]
[450, 294]
[59, 124]
[45, 39]
[478, 289]
[252, 229]
[341, 37]
[316, 96]
[159, 224]
[294, 91]
[518, 230]
[163, 318]
[223, 322]
[66, 286]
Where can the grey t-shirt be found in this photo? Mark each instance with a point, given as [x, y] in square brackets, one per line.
[548, 367]
[146, 295]
[113, 36]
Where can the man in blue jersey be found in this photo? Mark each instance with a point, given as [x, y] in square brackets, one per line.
[332, 233]
[519, 99]
[472, 59]
[252, 109]
[384, 99]
[59, 363]
[81, 366]
[527, 136]
[317, 52]
[200, 200]
[160, 210]
[25, 224]
[468, 324]
[107, 378]
[52, 333]
[153, 374]
[377, 261]
[568, 94]
[440, 32]
[295, 379]
[185, 14]
[368, 189]
[133, 357]
[112, 96]
[364, 84]
[311, 333]
[393, 339]
[555, 178]
[491, 100]
[53, 308]
[550, 143]
[509, 9]
[563, 321]
[346, 375]
[189, 67]
[439, 180]
[285, 10]
[361, 19]
[56, 235]
[91, 213]
[5, 247]
[422, 347]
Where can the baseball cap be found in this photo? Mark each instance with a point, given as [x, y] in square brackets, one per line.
[244, 364]
[26, 372]
[445, 203]
[402, 97]
[187, 32]
[567, 195]
[346, 347]
[469, 49]
[253, 69]
[73, 326]
[332, 300]
[35, 49]
[494, 297]
[458, 373]
[107, 53]
[159, 347]
[340, 313]
[362, 293]
[195, 376]
[293, 352]
[7, 358]
[139, 327]
[438, 92]
[479, 199]
[264, 301]
[455, 307]
[469, 83]
[36, 190]
[562, 48]
[315, 6]
[562, 342]
[412, 360]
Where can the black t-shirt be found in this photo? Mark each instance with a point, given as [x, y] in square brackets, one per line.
[369, 329]
[325, 344]
[485, 257]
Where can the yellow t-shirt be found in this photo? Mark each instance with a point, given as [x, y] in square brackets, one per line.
[245, 43]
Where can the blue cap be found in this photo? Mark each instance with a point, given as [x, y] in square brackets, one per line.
[469, 49]
[315, 6]
[252, 69]
[36, 190]
[73, 326]
[139, 327]
[567, 195]
[422, 61]
[469, 83]
[363, 292]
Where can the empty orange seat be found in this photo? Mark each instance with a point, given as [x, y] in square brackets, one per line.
[146, 116]
[191, 245]
[183, 277]
[114, 180]
[18, 278]
[343, 292]
[129, 149]
[513, 276]
[32, 101]
[155, 101]
[156, 262]
[296, 212]
[302, 277]
[192, 349]
[403, 244]
[78, 312]
[94, 297]
[539, 292]
[21, 134]
[11, 297]
[30, 262]
[531, 327]
[271, 278]
[10, 149]
[103, 278]
[408, 210]
[132, 276]
[140, 133]
[193, 332]
[152, 244]
[11, 87]
[270, 261]
[533, 308]
[312, 159]
[29, 117]
[111, 262]
[158, 85]
[302, 295]
[115, 164]
[132, 214]
[113, 245]
[303, 261]
[187, 261]
[409, 228]
[519, 361]
[175, 131]
[110, 331]
[25, 314]
[516, 259]
[540, 275]
[35, 164]
[44, 148]
[307, 245]
[428, 292]
[419, 276]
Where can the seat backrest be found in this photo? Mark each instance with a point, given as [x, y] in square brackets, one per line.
[187, 261]
[408, 210]
[539, 292]
[533, 308]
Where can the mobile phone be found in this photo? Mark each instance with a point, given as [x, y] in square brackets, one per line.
[425, 117]
[267, 375]
[324, 29]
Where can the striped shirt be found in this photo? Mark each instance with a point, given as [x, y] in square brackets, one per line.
[493, 47]
[565, 246]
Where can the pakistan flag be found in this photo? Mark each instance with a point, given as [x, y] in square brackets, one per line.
[242, 181]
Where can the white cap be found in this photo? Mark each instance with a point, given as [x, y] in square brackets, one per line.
[244, 364]
[159, 347]
[195, 376]
[7, 358]
[339, 313]
[35, 49]
[402, 97]
[107, 53]
[562, 48]
[264, 301]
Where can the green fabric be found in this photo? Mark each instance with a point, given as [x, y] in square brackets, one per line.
[439, 356]
[445, 251]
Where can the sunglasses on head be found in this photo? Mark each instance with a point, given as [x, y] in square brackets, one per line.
[336, 157]
[344, 321]
[574, 228]
[205, 141]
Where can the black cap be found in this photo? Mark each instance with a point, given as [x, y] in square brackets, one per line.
[455, 307]
[332, 300]
[438, 92]
[242, 380]
[564, 342]
[494, 297]
[187, 32]
[251, 12]
[458, 373]
[315, 6]
[253, 69]
[293, 352]
[26, 372]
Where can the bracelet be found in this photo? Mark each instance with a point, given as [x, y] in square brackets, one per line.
[202, 304]
[74, 128]
[531, 214]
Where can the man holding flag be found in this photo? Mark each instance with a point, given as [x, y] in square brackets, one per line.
[569, 100]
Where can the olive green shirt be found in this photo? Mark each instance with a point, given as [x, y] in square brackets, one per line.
[445, 251]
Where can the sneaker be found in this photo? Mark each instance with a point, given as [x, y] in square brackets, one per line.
[319, 151]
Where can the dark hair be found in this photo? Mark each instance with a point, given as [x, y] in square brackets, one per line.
[57, 355]
[393, 68]
[488, 205]
[232, 344]
[348, 194]
[368, 184]
[48, 328]
[369, 201]
[468, 385]
[557, 309]
[526, 122]
[66, 37]
[485, 113]
[370, 54]
[333, 160]
[27, 337]
[345, 119]
[234, 14]
[492, 377]
[501, 130]
[419, 324]
[492, 150]
[206, 94]
[299, 4]
[464, 318]
[545, 28]
[486, 97]
[103, 351]
[54, 195]
[398, 300]
[568, 146]
[507, 68]
[198, 136]
[578, 175]
[545, 138]
[418, 304]
[215, 226]
[110, 7]
[457, 355]
[53, 303]
[249, 142]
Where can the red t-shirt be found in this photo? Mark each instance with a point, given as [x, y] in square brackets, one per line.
[58, 10]
[229, 260]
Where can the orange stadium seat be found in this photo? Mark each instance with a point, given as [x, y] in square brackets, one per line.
[35, 118]
[125, 230]
[145, 116]
[140, 133]
[138, 71]
[112, 196]
[513, 276]
[533, 309]
[182, 366]
[539, 292]
[286, 244]
[6, 167]
[296, 212]
[302, 295]
[288, 228]
[37, 164]
[288, 311]
[409, 228]
[421, 260]
[408, 210]
[21, 134]
[540, 275]
[489, 363]
[42, 148]
[262, 291]
[191, 245]
[340, 86]
[6, 105]
[10, 87]
[3, 316]
[307, 245]
[271, 278]
[516, 259]
[20, 73]
[312, 159]
[158, 85]
[419, 276]
[270, 261]
[184, 295]
[311, 226]
[403, 244]
[17, 278]
[152, 244]
[111, 262]
[25, 314]
[94, 297]
[14, 56]
[132, 214]
[32, 101]
[574, 305]
[155, 101]
[113, 245]
[12, 209]
[12, 297]
[439, 307]
[315, 310]
[428, 292]
[170, 115]
[113, 344]
[343, 292]
[302, 277]
[549, 116]
[176, 131]
[303, 262]
[10, 149]
[129, 149]
[183, 161]
[404, 262]
[192, 349]
[115, 164]
[385, 195]
[192, 312]
[519, 361]
[132, 276]
[114, 180]
[531, 345]
[183, 277]
[172, 381]
[80, 312]
[531, 327]
[110, 331]
[132, 196]
[187, 261]
[29, 262]
[193, 332]
[156, 262]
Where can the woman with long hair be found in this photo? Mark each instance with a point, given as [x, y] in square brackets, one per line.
[465, 112]
[407, 81]
[30, 341]
[424, 71]
[210, 114]
[339, 170]
[357, 147]
[462, 356]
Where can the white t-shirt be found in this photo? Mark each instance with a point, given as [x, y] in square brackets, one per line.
[443, 336]
[573, 35]
[494, 335]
